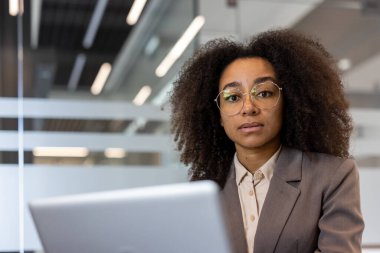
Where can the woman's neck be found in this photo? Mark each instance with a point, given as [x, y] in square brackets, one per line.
[253, 159]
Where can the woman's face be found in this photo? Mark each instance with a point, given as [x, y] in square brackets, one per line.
[251, 128]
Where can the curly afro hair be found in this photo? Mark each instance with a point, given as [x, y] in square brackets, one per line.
[315, 117]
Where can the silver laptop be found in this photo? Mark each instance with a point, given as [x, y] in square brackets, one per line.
[177, 218]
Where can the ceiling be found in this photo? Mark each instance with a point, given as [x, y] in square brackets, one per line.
[353, 33]
[62, 28]
[54, 41]
[348, 28]
[50, 57]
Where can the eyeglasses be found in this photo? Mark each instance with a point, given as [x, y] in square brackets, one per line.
[266, 95]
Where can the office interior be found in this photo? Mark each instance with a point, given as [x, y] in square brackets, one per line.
[84, 89]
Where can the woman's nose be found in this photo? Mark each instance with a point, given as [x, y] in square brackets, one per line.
[248, 106]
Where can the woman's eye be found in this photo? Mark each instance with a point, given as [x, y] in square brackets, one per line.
[265, 94]
[231, 97]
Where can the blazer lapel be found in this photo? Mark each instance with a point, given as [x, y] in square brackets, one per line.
[233, 215]
[280, 200]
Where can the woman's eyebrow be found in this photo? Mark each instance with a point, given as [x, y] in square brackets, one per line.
[256, 81]
[263, 79]
[231, 85]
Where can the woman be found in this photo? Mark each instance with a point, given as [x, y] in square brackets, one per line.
[268, 121]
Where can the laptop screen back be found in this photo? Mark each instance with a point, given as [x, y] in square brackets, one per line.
[184, 218]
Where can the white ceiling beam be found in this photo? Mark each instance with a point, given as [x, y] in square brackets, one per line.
[77, 109]
[96, 142]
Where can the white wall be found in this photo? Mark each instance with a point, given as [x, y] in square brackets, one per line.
[370, 200]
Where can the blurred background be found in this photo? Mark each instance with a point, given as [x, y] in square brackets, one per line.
[84, 91]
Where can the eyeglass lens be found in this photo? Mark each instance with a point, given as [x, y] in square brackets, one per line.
[264, 96]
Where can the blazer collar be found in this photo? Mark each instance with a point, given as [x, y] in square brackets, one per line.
[281, 196]
[233, 214]
[280, 200]
[289, 164]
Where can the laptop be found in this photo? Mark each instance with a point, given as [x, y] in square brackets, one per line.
[176, 218]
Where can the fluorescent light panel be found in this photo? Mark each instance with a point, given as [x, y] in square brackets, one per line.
[60, 151]
[93, 27]
[101, 78]
[114, 153]
[135, 12]
[142, 96]
[14, 7]
[180, 46]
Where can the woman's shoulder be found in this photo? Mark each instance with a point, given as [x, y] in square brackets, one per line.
[328, 160]
[325, 171]
[323, 162]
[327, 165]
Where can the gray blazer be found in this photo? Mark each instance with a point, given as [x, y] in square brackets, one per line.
[312, 205]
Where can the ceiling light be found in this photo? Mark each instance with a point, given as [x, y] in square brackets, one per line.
[135, 12]
[114, 153]
[142, 95]
[60, 151]
[13, 7]
[101, 78]
[344, 64]
[180, 46]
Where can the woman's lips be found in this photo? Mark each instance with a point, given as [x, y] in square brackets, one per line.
[251, 127]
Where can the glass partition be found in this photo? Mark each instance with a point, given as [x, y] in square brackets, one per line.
[11, 186]
[78, 120]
